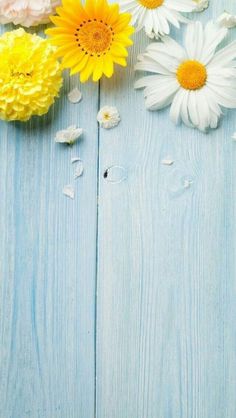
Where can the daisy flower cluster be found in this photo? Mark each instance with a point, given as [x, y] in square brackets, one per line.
[90, 37]
[195, 79]
[156, 16]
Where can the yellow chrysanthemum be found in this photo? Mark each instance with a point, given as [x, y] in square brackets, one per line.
[91, 37]
[30, 75]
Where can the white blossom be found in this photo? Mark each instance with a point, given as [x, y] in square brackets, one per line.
[108, 117]
[69, 135]
[27, 12]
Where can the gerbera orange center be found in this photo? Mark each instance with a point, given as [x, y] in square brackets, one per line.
[151, 4]
[191, 75]
[94, 37]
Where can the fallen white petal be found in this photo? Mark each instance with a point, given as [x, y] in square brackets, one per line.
[234, 136]
[167, 162]
[226, 20]
[75, 95]
[69, 191]
[79, 170]
[187, 183]
[69, 135]
[75, 160]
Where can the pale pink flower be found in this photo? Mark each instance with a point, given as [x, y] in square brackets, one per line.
[27, 12]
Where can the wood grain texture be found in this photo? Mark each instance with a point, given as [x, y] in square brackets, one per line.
[166, 278]
[120, 303]
[48, 265]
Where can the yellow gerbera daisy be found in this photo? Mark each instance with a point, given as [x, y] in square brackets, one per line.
[91, 37]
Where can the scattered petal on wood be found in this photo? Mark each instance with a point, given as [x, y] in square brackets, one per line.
[226, 20]
[79, 169]
[68, 135]
[75, 160]
[167, 161]
[69, 191]
[75, 95]
[187, 183]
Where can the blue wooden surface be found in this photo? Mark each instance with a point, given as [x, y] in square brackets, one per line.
[120, 303]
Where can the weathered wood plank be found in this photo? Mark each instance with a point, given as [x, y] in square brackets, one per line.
[48, 265]
[166, 282]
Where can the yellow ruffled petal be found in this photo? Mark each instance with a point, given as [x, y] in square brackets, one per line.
[30, 75]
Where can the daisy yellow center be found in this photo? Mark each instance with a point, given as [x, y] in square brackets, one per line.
[151, 4]
[191, 75]
[94, 37]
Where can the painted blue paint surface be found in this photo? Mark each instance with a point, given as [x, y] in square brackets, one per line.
[120, 303]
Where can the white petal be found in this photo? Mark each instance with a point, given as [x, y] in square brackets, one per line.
[175, 109]
[148, 23]
[225, 55]
[203, 110]
[213, 36]
[79, 169]
[192, 108]
[69, 135]
[172, 48]
[147, 63]
[160, 93]
[224, 97]
[170, 63]
[152, 81]
[75, 95]
[173, 17]
[194, 40]
[180, 5]
[75, 160]
[220, 80]
[69, 191]
[167, 161]
[184, 110]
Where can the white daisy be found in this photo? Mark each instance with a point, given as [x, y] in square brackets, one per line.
[155, 16]
[108, 117]
[195, 79]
